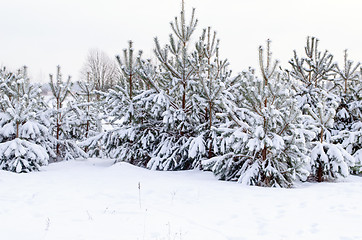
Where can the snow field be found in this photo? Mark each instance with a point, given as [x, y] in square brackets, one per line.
[93, 199]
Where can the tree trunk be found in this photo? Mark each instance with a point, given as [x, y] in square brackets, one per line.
[264, 151]
[322, 134]
[183, 106]
[320, 173]
[17, 129]
[87, 126]
[58, 129]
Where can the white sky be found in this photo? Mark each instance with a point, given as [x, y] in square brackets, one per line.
[42, 33]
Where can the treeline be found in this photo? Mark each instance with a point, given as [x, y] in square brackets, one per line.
[189, 111]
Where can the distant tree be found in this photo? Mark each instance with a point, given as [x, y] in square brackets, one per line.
[100, 69]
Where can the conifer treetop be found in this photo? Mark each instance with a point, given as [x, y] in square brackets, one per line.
[315, 66]
[60, 89]
[348, 73]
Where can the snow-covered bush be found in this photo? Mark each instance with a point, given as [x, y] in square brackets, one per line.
[20, 155]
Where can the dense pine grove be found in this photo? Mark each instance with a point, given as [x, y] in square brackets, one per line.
[270, 126]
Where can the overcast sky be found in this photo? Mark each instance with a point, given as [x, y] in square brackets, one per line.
[42, 33]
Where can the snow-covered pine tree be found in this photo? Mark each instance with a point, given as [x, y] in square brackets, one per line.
[345, 86]
[314, 75]
[328, 161]
[86, 113]
[348, 123]
[347, 77]
[64, 120]
[24, 139]
[212, 75]
[131, 84]
[129, 110]
[176, 86]
[262, 142]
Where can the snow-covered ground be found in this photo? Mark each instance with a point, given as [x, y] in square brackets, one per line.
[94, 199]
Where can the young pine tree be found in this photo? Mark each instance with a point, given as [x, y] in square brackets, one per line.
[262, 142]
[212, 76]
[176, 89]
[348, 124]
[64, 120]
[85, 114]
[24, 139]
[311, 73]
[328, 161]
[314, 77]
[129, 109]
